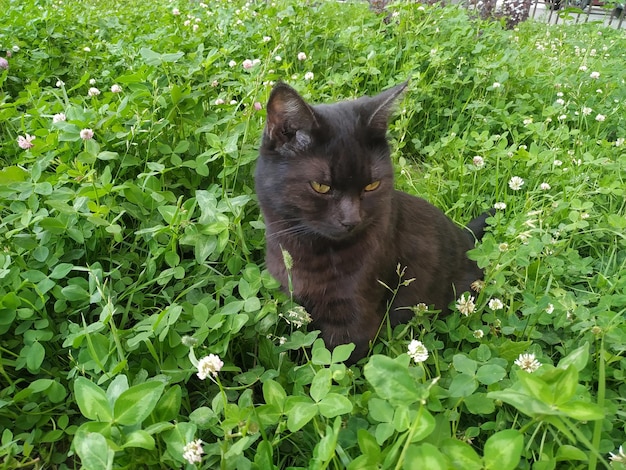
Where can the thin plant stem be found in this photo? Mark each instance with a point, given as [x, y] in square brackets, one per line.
[597, 426]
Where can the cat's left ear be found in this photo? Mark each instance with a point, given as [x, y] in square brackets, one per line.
[382, 105]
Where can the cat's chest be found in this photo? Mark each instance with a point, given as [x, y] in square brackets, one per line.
[323, 271]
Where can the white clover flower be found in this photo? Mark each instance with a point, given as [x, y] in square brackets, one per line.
[233, 101]
[465, 304]
[298, 317]
[301, 56]
[496, 85]
[16, 48]
[92, 81]
[557, 163]
[550, 309]
[208, 365]
[478, 161]
[499, 206]
[115, 88]
[545, 186]
[195, 28]
[560, 101]
[87, 49]
[496, 304]
[600, 117]
[502, 247]
[309, 76]
[267, 38]
[562, 117]
[247, 64]
[527, 362]
[86, 134]
[175, 11]
[594, 75]
[232, 63]
[219, 101]
[478, 334]
[93, 91]
[586, 111]
[417, 351]
[528, 121]
[477, 285]
[582, 68]
[620, 456]
[420, 308]
[60, 84]
[59, 117]
[620, 141]
[278, 58]
[25, 142]
[192, 452]
[516, 183]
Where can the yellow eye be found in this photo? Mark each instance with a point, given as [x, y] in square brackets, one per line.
[319, 187]
[372, 186]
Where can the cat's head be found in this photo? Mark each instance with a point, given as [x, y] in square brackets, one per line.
[325, 170]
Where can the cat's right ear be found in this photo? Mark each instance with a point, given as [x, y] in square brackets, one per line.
[288, 116]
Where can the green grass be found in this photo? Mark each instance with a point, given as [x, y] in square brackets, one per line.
[127, 258]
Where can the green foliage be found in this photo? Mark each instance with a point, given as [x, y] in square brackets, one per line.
[126, 256]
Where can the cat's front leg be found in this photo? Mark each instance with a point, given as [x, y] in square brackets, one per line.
[348, 327]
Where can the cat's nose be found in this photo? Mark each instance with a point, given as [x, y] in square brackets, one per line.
[349, 213]
[350, 224]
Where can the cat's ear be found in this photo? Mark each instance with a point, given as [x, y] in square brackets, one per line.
[288, 115]
[381, 106]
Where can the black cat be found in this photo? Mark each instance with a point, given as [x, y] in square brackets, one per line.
[324, 180]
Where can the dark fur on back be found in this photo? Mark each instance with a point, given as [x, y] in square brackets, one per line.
[324, 180]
